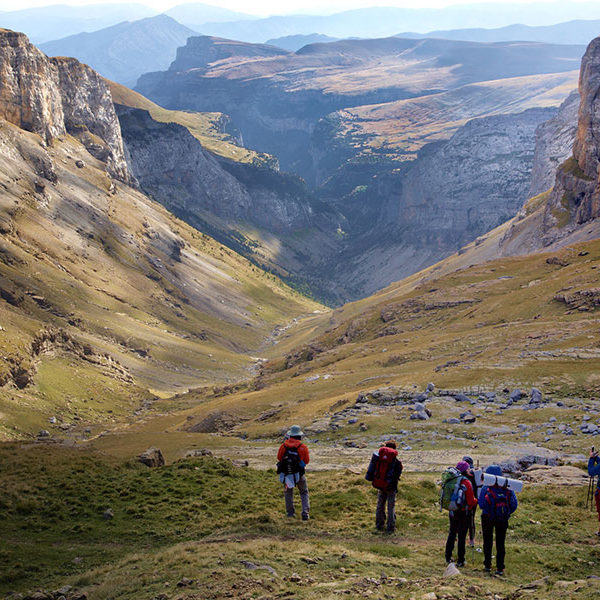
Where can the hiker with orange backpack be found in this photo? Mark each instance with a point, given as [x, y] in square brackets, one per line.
[384, 472]
[497, 504]
[458, 498]
[292, 459]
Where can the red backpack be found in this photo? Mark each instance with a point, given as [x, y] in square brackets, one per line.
[387, 456]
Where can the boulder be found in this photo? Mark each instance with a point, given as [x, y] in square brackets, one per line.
[152, 457]
[462, 398]
[516, 395]
[536, 396]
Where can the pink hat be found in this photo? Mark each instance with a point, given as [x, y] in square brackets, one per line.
[463, 466]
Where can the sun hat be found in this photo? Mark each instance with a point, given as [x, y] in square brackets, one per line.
[296, 431]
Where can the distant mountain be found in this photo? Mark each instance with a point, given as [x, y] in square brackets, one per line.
[195, 15]
[386, 21]
[124, 51]
[571, 32]
[59, 20]
[295, 42]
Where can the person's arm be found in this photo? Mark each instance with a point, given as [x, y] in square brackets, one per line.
[303, 452]
[400, 467]
[281, 452]
[470, 496]
[483, 503]
[593, 466]
[513, 503]
[372, 466]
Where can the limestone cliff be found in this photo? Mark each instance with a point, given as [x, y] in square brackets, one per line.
[575, 199]
[58, 96]
[553, 145]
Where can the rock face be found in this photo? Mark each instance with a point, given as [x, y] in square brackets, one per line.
[575, 199]
[553, 145]
[177, 171]
[54, 97]
[461, 188]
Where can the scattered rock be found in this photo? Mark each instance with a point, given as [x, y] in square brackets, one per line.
[451, 570]
[185, 582]
[198, 452]
[152, 457]
[108, 514]
[536, 396]
[79, 164]
[430, 387]
[44, 433]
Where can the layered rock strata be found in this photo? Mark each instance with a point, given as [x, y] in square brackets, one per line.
[57, 96]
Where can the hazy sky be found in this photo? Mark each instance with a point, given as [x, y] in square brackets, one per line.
[266, 7]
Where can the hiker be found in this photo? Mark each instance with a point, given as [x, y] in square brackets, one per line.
[292, 459]
[461, 501]
[384, 472]
[497, 504]
[593, 470]
[472, 512]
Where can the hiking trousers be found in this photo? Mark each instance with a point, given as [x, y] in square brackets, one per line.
[487, 529]
[459, 526]
[385, 498]
[472, 524]
[289, 498]
[597, 496]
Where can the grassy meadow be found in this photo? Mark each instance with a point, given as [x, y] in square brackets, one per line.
[200, 518]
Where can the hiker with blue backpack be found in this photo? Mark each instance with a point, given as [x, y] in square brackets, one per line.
[384, 472]
[292, 459]
[497, 504]
[458, 498]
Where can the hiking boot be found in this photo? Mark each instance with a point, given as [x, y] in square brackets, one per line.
[305, 517]
[460, 563]
[500, 573]
[487, 571]
[292, 516]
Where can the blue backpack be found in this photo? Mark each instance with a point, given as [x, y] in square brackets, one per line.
[498, 499]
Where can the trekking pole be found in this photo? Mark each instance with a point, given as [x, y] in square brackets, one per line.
[590, 491]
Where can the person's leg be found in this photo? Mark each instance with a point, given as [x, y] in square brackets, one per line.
[451, 538]
[304, 497]
[391, 513]
[500, 548]
[462, 529]
[487, 530]
[380, 511]
[472, 526]
[598, 507]
[288, 493]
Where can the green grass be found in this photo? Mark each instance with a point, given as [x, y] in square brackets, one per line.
[199, 518]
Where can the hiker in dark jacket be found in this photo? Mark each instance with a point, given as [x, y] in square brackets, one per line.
[459, 519]
[593, 470]
[497, 504]
[292, 459]
[384, 471]
[472, 512]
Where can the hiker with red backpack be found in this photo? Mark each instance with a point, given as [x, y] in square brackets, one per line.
[292, 459]
[458, 498]
[497, 504]
[384, 472]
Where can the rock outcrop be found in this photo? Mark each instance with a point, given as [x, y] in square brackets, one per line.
[553, 145]
[59, 96]
[575, 199]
